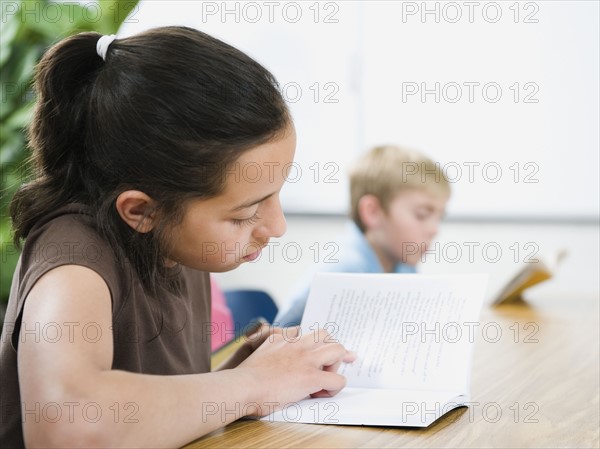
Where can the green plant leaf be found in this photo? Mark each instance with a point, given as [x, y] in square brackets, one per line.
[9, 256]
[19, 119]
[8, 33]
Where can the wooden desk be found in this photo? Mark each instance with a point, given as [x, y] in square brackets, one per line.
[538, 387]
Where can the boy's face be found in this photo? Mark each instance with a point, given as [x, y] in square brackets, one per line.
[220, 233]
[405, 231]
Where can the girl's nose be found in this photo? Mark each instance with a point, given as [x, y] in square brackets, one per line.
[272, 223]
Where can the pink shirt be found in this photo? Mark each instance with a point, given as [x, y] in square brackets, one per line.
[222, 330]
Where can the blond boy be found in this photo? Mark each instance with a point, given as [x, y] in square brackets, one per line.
[398, 198]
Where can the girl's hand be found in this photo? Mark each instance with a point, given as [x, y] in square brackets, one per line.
[253, 339]
[288, 367]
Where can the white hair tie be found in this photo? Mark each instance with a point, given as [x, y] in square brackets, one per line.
[103, 43]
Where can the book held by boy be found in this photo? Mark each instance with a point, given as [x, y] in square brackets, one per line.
[413, 335]
[531, 272]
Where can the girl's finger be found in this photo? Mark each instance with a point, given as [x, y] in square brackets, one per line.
[331, 384]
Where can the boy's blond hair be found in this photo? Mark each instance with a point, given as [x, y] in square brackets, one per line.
[386, 170]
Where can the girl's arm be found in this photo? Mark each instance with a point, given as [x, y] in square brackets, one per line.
[71, 397]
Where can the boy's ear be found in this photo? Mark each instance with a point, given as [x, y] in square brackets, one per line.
[370, 211]
[136, 209]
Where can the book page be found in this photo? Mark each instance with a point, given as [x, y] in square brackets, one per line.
[409, 331]
[368, 406]
[529, 273]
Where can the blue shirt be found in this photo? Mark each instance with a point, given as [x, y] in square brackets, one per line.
[355, 255]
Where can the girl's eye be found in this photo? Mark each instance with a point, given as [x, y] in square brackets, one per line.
[246, 221]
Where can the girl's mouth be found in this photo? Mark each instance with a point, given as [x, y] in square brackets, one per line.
[252, 256]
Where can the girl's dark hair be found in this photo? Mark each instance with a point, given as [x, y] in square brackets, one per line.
[167, 112]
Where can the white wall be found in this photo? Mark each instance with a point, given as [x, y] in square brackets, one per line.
[549, 119]
[350, 70]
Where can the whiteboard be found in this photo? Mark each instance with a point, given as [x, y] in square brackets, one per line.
[504, 95]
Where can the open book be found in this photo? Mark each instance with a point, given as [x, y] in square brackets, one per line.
[528, 274]
[413, 335]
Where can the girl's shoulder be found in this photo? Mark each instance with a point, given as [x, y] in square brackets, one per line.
[67, 236]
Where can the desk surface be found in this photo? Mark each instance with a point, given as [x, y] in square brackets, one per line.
[536, 386]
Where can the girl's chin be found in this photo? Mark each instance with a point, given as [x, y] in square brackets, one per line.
[170, 263]
[214, 267]
[228, 266]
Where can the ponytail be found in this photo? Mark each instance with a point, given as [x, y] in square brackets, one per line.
[62, 82]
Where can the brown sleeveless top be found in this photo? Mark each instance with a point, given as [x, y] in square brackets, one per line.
[67, 237]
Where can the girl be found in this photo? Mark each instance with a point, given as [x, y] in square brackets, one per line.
[139, 147]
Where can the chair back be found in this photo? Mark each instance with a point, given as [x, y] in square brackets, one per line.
[248, 306]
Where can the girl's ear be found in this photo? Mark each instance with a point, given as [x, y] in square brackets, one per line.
[137, 210]
[370, 211]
